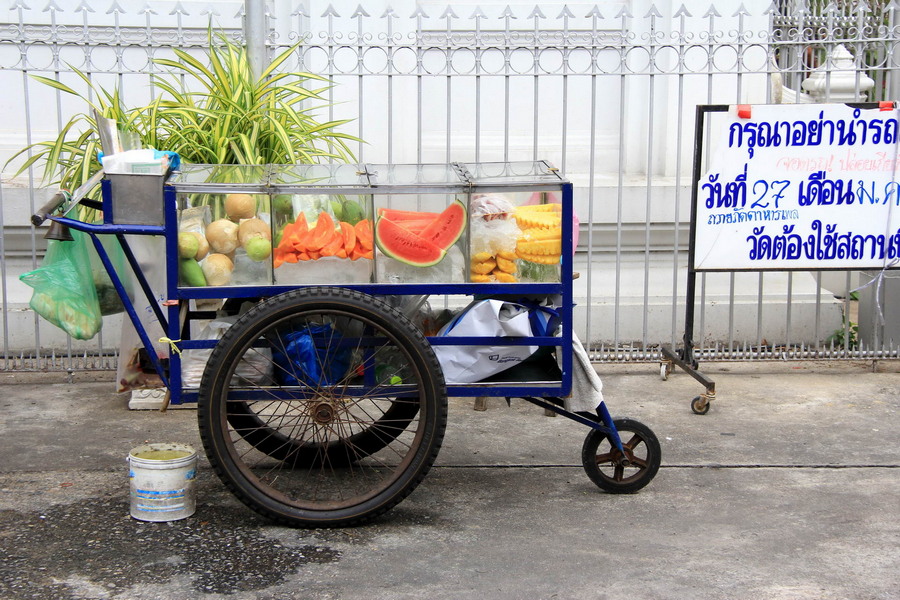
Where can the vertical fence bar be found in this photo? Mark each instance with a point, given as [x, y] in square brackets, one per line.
[648, 181]
[620, 190]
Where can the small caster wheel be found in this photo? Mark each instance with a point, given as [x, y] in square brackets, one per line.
[626, 471]
[664, 370]
[700, 405]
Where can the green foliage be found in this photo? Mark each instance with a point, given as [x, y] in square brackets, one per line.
[848, 336]
[214, 113]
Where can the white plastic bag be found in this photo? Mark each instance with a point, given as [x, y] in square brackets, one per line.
[490, 317]
[255, 367]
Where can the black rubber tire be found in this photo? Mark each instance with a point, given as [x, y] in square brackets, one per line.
[325, 453]
[699, 405]
[600, 457]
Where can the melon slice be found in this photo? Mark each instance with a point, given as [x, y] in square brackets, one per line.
[397, 215]
[447, 226]
[403, 245]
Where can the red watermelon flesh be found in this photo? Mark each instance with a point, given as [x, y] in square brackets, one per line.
[404, 245]
[398, 216]
[446, 228]
[414, 225]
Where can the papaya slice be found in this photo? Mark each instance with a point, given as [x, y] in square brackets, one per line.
[300, 224]
[322, 233]
[336, 243]
[348, 233]
[363, 231]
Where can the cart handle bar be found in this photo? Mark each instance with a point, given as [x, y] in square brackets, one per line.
[60, 197]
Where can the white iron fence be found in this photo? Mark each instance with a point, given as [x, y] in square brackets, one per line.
[606, 92]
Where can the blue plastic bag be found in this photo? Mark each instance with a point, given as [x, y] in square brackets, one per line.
[303, 361]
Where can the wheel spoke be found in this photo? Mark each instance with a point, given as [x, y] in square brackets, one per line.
[303, 425]
[604, 459]
[640, 463]
[631, 443]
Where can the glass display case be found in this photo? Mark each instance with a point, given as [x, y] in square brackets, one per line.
[289, 225]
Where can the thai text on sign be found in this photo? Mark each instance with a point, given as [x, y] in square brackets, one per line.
[803, 186]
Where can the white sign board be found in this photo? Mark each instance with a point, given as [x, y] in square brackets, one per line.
[800, 186]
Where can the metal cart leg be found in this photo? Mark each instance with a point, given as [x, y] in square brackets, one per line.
[700, 404]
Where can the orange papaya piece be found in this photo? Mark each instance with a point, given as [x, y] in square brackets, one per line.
[302, 256]
[277, 262]
[290, 257]
[296, 244]
[341, 253]
[322, 233]
[336, 243]
[314, 254]
[300, 225]
[363, 230]
[348, 233]
[368, 254]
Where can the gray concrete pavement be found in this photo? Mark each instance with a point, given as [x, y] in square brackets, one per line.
[788, 489]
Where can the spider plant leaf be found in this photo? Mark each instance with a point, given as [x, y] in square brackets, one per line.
[277, 61]
[55, 85]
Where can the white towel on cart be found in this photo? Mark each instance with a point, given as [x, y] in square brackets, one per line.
[587, 389]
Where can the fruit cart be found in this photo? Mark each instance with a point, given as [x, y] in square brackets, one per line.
[322, 394]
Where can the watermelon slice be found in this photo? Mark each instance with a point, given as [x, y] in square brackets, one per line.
[446, 228]
[402, 244]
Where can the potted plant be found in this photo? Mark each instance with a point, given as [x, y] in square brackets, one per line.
[220, 114]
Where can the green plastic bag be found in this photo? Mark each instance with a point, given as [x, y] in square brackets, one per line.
[64, 292]
[107, 296]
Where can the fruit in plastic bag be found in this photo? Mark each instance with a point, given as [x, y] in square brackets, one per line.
[64, 291]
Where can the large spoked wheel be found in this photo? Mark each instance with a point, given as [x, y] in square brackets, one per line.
[322, 407]
[617, 472]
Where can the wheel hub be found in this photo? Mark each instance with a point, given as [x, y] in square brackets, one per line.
[621, 459]
[323, 413]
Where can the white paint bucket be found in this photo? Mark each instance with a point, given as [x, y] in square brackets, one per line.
[162, 481]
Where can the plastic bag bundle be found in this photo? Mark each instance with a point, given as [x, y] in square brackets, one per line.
[305, 358]
[64, 292]
[107, 295]
[255, 367]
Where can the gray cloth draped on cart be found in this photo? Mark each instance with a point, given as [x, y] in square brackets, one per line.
[587, 389]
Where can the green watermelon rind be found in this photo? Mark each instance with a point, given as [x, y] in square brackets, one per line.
[440, 221]
[382, 229]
